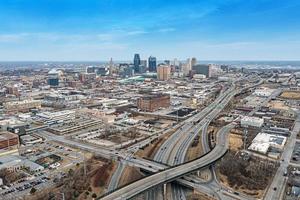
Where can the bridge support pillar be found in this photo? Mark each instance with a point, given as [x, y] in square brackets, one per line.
[165, 191]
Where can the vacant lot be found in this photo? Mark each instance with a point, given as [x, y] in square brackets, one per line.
[235, 142]
[290, 95]
[248, 176]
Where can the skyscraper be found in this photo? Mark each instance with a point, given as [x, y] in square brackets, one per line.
[111, 66]
[152, 64]
[136, 62]
[193, 62]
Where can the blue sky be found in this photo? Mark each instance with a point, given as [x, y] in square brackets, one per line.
[91, 30]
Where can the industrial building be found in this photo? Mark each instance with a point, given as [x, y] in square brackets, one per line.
[56, 116]
[15, 163]
[153, 102]
[30, 140]
[21, 106]
[73, 126]
[8, 139]
[252, 122]
[263, 92]
[263, 141]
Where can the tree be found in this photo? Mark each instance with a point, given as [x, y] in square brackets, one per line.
[71, 172]
[32, 191]
[90, 189]
[94, 195]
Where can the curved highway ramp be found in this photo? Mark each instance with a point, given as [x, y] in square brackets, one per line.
[170, 174]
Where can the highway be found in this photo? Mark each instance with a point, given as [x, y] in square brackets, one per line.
[173, 151]
[114, 182]
[178, 154]
[170, 174]
[168, 149]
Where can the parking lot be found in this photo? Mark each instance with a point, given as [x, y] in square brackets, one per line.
[23, 187]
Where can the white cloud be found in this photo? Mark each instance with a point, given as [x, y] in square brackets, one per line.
[166, 30]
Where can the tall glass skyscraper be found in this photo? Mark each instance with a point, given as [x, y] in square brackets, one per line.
[152, 64]
[136, 62]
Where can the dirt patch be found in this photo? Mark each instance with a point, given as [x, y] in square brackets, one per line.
[235, 142]
[199, 196]
[130, 174]
[195, 150]
[290, 95]
[278, 105]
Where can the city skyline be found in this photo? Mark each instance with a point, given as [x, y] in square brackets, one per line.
[98, 30]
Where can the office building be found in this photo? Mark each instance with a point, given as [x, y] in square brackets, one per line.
[136, 62]
[193, 62]
[203, 69]
[111, 66]
[103, 71]
[128, 71]
[163, 72]
[152, 64]
[53, 77]
[153, 102]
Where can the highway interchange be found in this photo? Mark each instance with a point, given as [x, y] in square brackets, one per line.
[172, 153]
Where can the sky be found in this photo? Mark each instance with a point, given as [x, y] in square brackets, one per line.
[97, 30]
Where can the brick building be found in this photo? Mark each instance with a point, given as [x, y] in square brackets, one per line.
[153, 102]
[8, 139]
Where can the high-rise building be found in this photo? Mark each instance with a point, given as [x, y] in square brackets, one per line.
[111, 66]
[152, 64]
[163, 72]
[167, 62]
[193, 62]
[187, 67]
[53, 77]
[128, 71]
[203, 69]
[136, 62]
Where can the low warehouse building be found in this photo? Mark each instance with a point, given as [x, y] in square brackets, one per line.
[252, 122]
[263, 141]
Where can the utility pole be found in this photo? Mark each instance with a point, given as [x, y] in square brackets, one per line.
[84, 165]
[245, 134]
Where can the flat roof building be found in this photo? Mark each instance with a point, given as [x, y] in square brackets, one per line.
[163, 72]
[153, 102]
[8, 139]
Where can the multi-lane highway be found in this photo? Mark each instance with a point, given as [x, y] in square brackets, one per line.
[164, 148]
[173, 151]
[170, 174]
